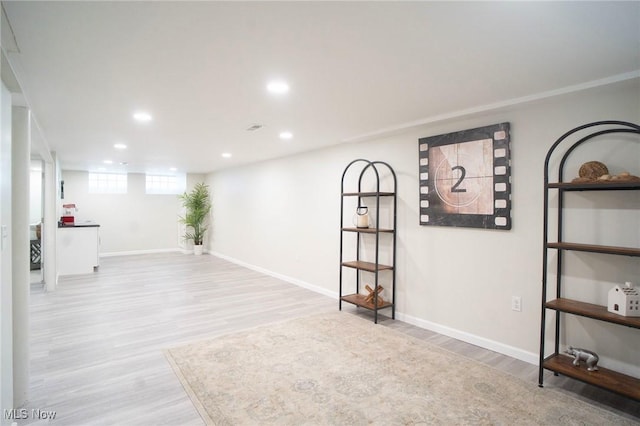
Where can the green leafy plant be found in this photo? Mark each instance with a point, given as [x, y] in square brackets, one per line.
[198, 206]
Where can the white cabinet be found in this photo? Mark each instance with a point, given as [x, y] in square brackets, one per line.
[78, 249]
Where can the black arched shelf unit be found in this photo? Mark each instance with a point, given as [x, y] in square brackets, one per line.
[557, 304]
[360, 184]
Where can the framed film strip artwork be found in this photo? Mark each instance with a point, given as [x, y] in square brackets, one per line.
[465, 178]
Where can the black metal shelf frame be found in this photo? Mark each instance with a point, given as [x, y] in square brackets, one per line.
[372, 167]
[595, 129]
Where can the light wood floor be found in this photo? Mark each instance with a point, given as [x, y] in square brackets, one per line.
[97, 342]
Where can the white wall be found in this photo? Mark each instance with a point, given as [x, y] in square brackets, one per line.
[283, 216]
[6, 283]
[35, 192]
[20, 165]
[129, 223]
[51, 198]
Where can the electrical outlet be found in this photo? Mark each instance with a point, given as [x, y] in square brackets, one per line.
[516, 303]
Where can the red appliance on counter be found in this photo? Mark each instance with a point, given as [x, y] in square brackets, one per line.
[68, 218]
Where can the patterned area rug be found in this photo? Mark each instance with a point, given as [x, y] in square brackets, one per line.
[339, 369]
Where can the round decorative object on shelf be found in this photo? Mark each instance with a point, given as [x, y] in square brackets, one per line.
[593, 170]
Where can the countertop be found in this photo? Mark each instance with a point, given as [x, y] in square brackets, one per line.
[80, 224]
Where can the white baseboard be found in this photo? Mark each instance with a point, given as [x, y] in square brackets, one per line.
[492, 345]
[286, 278]
[133, 252]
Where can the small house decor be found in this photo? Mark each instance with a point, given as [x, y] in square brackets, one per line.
[624, 301]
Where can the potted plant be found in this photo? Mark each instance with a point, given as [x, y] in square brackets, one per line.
[197, 204]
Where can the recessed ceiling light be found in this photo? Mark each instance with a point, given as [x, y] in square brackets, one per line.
[108, 162]
[226, 155]
[142, 116]
[120, 146]
[278, 87]
[286, 135]
[123, 163]
[173, 169]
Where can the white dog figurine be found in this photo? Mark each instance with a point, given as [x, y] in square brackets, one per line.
[590, 358]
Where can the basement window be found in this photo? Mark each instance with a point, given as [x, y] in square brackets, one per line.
[107, 183]
[166, 184]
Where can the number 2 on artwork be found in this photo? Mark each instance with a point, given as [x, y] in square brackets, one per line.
[463, 172]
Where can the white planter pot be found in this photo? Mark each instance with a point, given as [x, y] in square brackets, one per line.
[197, 250]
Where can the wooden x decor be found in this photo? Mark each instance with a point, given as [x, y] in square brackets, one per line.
[372, 293]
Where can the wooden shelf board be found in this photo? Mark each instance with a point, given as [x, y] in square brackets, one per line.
[359, 300]
[625, 251]
[367, 194]
[595, 186]
[590, 310]
[368, 230]
[366, 266]
[604, 378]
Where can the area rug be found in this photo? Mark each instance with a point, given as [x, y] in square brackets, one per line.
[339, 369]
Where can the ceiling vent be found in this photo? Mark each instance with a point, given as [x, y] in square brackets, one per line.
[254, 127]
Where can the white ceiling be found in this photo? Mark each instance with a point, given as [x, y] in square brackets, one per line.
[355, 69]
